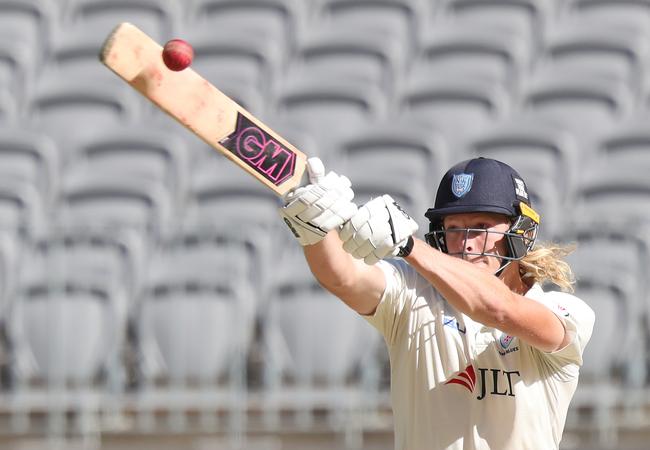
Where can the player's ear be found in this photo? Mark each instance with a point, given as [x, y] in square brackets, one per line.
[316, 169]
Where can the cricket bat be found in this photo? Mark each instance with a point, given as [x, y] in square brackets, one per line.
[203, 109]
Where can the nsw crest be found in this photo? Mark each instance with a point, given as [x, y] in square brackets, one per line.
[461, 184]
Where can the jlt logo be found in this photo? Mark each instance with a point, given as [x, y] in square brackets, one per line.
[492, 381]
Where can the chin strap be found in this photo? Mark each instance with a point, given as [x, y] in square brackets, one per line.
[504, 264]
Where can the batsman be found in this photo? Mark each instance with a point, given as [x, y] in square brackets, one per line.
[482, 356]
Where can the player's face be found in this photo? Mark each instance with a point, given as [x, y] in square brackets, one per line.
[476, 236]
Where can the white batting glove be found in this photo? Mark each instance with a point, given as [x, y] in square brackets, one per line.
[312, 211]
[380, 229]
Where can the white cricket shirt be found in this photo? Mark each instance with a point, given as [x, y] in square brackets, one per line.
[456, 384]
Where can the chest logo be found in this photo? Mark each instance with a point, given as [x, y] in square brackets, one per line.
[491, 381]
[505, 341]
[466, 378]
[504, 345]
[452, 322]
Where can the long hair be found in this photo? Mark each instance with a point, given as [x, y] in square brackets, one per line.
[545, 264]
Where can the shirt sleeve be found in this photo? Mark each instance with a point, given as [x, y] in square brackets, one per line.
[394, 301]
[578, 320]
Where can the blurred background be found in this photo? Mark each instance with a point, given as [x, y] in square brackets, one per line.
[151, 298]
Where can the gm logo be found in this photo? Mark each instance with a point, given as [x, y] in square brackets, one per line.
[260, 151]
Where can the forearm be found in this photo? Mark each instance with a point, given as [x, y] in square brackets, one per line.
[331, 266]
[471, 290]
[359, 285]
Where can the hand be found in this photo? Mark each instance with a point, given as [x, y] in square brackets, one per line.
[380, 228]
[325, 204]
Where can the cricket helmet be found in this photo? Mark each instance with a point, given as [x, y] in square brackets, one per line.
[489, 186]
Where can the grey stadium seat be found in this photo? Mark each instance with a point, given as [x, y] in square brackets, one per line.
[115, 259]
[601, 390]
[71, 109]
[30, 157]
[28, 21]
[155, 17]
[115, 202]
[456, 105]
[588, 106]
[329, 108]
[18, 64]
[273, 20]
[475, 50]
[22, 209]
[628, 13]
[315, 346]
[158, 155]
[193, 335]
[627, 145]
[66, 337]
[65, 340]
[524, 17]
[349, 53]
[393, 145]
[8, 108]
[611, 193]
[598, 48]
[399, 19]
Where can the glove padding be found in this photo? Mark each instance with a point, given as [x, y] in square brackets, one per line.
[378, 230]
[325, 204]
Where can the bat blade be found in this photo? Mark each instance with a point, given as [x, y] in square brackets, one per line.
[203, 109]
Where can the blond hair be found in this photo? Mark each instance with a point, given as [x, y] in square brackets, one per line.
[545, 264]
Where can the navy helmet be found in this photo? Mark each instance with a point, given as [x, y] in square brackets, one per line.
[489, 186]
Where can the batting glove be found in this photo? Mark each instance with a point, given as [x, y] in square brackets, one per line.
[312, 211]
[380, 229]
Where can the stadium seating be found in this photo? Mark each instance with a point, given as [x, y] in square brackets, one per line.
[477, 50]
[273, 20]
[156, 17]
[454, 104]
[585, 105]
[601, 48]
[143, 242]
[358, 54]
[308, 365]
[194, 327]
[628, 13]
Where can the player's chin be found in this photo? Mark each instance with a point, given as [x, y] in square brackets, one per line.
[484, 262]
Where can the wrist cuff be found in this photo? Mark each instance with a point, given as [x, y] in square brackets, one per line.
[407, 248]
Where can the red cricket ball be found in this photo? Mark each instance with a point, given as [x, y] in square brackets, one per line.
[177, 54]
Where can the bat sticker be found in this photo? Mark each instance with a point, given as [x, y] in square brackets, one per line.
[260, 151]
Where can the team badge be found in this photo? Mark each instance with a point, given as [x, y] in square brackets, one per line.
[520, 188]
[461, 184]
[505, 340]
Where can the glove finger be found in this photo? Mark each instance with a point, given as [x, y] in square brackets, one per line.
[346, 232]
[334, 221]
[360, 218]
[295, 208]
[344, 182]
[371, 259]
[365, 249]
[315, 169]
[346, 211]
[330, 181]
[320, 220]
[350, 246]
